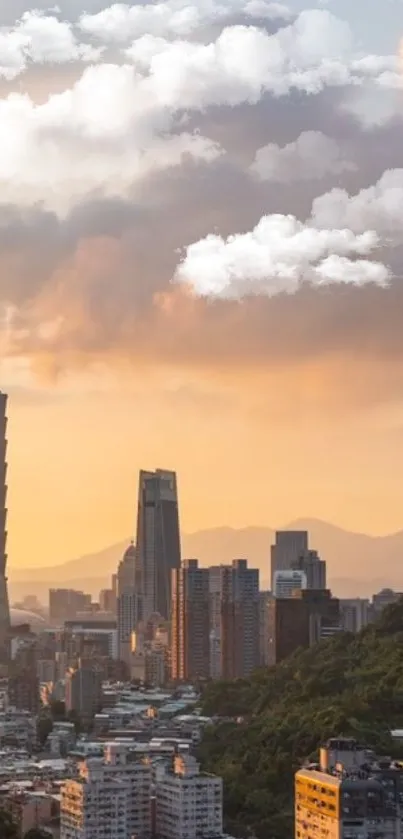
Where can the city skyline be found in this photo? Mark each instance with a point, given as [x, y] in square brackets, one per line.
[48, 506]
[201, 419]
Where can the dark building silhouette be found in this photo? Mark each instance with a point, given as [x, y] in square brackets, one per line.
[65, 604]
[158, 539]
[314, 569]
[4, 604]
[301, 621]
[84, 692]
[23, 689]
[190, 648]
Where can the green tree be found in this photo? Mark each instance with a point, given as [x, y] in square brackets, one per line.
[8, 829]
[267, 725]
[37, 833]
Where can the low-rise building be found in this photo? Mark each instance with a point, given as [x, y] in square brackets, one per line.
[189, 803]
[110, 798]
[350, 794]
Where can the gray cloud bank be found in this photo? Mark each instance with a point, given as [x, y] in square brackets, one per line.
[246, 143]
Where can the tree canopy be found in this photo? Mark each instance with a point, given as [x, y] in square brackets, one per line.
[348, 685]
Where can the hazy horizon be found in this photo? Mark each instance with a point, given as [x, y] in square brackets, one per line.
[96, 549]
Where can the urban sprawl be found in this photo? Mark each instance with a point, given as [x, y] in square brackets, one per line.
[100, 702]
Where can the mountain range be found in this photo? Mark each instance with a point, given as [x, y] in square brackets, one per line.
[357, 564]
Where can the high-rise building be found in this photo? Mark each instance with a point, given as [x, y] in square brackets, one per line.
[288, 547]
[301, 621]
[107, 600]
[110, 799]
[4, 604]
[350, 795]
[83, 637]
[190, 631]
[158, 539]
[129, 602]
[65, 604]
[265, 597]
[234, 619]
[23, 689]
[84, 692]
[189, 803]
[314, 569]
[286, 582]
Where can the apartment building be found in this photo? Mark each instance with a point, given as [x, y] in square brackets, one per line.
[190, 622]
[84, 692]
[110, 799]
[234, 620]
[301, 621]
[355, 614]
[350, 794]
[188, 803]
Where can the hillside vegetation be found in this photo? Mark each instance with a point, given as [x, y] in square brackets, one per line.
[350, 685]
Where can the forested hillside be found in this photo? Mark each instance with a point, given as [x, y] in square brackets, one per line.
[350, 685]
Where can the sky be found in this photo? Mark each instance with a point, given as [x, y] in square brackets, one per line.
[200, 264]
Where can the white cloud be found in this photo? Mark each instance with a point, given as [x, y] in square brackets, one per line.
[244, 62]
[335, 245]
[102, 134]
[312, 156]
[121, 23]
[277, 256]
[41, 39]
[378, 207]
[119, 121]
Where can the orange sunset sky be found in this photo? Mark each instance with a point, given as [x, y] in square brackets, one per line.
[252, 450]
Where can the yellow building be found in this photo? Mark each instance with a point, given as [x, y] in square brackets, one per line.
[350, 794]
[317, 805]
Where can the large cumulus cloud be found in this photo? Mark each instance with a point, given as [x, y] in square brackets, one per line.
[176, 137]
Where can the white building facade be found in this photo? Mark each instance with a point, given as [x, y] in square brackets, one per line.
[286, 582]
[111, 798]
[188, 803]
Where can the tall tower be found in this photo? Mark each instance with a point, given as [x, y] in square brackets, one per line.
[190, 622]
[158, 539]
[289, 545]
[128, 602]
[234, 619]
[4, 605]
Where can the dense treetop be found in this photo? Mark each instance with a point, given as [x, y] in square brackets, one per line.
[349, 684]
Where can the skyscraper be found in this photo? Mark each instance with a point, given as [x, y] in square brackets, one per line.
[313, 567]
[158, 540]
[234, 620]
[190, 622]
[288, 547]
[4, 605]
[129, 610]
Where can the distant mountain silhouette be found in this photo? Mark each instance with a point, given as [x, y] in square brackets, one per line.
[357, 564]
